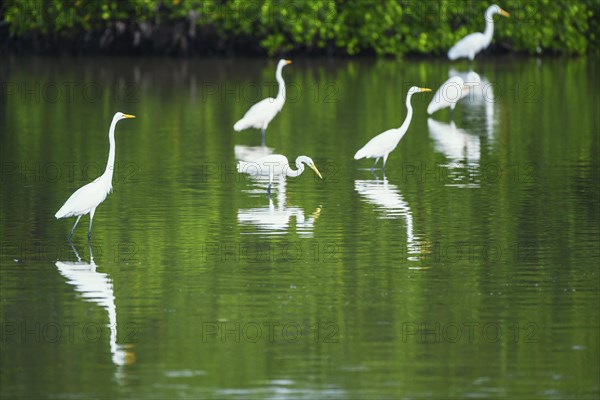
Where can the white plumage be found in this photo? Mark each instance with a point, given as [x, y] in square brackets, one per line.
[473, 43]
[452, 91]
[447, 95]
[275, 165]
[87, 198]
[262, 113]
[384, 143]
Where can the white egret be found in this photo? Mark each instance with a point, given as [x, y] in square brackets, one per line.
[275, 165]
[473, 43]
[452, 91]
[262, 113]
[88, 197]
[384, 143]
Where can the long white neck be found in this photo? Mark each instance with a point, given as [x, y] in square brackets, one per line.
[110, 164]
[281, 93]
[409, 114]
[489, 28]
[290, 172]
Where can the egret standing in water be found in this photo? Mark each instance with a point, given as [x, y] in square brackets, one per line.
[262, 113]
[473, 43]
[276, 165]
[88, 197]
[452, 91]
[384, 143]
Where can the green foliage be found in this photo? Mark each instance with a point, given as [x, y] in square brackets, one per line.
[348, 27]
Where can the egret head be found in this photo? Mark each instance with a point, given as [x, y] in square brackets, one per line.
[416, 89]
[283, 62]
[495, 9]
[308, 161]
[119, 116]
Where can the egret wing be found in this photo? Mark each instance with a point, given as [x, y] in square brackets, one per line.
[263, 166]
[260, 108]
[470, 44]
[84, 199]
[379, 145]
[258, 114]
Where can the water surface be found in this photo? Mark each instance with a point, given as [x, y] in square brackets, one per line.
[469, 270]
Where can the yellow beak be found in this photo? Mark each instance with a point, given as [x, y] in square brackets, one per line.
[504, 13]
[424, 89]
[128, 116]
[314, 168]
[288, 62]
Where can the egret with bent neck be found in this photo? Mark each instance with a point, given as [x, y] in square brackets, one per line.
[276, 165]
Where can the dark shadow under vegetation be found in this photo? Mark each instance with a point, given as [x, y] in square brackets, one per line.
[267, 28]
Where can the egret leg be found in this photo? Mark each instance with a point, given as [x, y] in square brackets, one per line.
[262, 137]
[73, 229]
[451, 113]
[374, 164]
[75, 251]
[384, 161]
[270, 183]
[91, 254]
[91, 219]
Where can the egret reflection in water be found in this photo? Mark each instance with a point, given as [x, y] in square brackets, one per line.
[462, 151]
[276, 219]
[390, 202]
[479, 101]
[251, 153]
[96, 287]
[455, 143]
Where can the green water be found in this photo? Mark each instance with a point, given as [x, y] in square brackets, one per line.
[470, 271]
